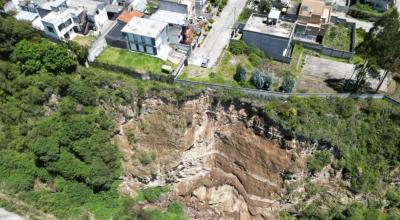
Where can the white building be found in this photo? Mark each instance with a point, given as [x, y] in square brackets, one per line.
[61, 19]
[59, 23]
[95, 10]
[147, 36]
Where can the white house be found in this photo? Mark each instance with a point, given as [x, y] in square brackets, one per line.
[59, 23]
[147, 36]
[95, 10]
[61, 19]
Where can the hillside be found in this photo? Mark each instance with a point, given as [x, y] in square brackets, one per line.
[85, 143]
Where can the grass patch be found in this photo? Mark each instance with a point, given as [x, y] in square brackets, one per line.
[138, 62]
[364, 11]
[152, 194]
[223, 72]
[338, 37]
[87, 40]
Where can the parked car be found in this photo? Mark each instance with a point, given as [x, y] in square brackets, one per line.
[202, 18]
[205, 62]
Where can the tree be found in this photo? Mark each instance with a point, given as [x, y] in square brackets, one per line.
[264, 6]
[288, 84]
[240, 75]
[258, 79]
[382, 44]
[11, 32]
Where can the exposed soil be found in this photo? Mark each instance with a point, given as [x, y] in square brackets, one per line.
[223, 160]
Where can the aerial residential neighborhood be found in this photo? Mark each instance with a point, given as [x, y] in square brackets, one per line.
[296, 35]
[200, 109]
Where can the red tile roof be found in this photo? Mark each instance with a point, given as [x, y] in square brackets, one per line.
[126, 16]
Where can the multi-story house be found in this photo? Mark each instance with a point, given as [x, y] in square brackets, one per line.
[61, 19]
[147, 36]
[312, 20]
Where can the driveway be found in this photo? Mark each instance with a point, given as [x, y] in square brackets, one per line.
[100, 43]
[219, 35]
[366, 25]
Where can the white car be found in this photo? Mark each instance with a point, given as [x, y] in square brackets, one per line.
[202, 18]
[205, 62]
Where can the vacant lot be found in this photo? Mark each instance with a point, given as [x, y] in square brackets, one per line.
[139, 62]
[222, 73]
[338, 37]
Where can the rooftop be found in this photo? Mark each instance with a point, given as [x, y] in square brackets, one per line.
[144, 27]
[126, 16]
[57, 17]
[169, 17]
[257, 24]
[56, 3]
[114, 8]
[312, 7]
[89, 5]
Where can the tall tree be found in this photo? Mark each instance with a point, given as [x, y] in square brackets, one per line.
[265, 6]
[382, 44]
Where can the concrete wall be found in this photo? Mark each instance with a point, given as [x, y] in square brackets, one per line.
[272, 46]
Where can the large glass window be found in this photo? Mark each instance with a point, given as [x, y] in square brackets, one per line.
[150, 50]
[133, 46]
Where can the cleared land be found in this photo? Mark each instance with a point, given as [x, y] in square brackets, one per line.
[139, 62]
[338, 37]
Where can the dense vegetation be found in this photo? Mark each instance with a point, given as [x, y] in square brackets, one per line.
[367, 136]
[56, 140]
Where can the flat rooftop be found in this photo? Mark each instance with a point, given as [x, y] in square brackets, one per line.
[169, 17]
[144, 27]
[257, 24]
[57, 18]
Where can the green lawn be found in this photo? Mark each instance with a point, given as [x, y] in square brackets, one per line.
[87, 40]
[139, 62]
[338, 37]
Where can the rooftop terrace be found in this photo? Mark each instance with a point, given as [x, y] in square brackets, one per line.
[258, 24]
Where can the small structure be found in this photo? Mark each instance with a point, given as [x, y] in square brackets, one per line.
[126, 16]
[147, 36]
[138, 5]
[113, 11]
[269, 34]
[313, 18]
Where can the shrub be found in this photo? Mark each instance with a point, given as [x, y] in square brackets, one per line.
[240, 75]
[82, 93]
[258, 79]
[254, 59]
[152, 194]
[288, 84]
[237, 47]
[318, 161]
[261, 80]
[145, 157]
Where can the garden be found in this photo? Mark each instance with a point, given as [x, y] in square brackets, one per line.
[138, 62]
[338, 37]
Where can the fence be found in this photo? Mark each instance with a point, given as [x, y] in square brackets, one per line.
[134, 74]
[269, 95]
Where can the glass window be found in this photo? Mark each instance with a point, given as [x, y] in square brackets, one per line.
[50, 29]
[133, 46]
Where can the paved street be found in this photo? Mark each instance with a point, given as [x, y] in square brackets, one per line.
[219, 35]
[6, 215]
[98, 46]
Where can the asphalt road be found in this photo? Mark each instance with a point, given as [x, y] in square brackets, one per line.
[219, 35]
